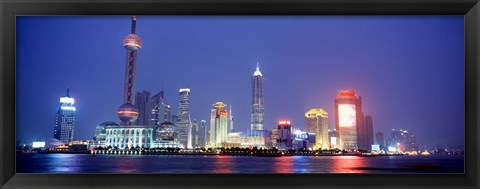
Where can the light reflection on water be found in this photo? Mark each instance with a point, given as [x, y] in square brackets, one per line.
[84, 163]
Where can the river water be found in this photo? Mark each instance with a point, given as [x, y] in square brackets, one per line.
[84, 163]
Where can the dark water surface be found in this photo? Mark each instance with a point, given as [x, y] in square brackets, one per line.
[84, 163]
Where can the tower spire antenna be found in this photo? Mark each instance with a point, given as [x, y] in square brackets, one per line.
[134, 24]
[258, 68]
[68, 92]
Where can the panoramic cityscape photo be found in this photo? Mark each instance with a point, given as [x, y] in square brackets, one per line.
[240, 94]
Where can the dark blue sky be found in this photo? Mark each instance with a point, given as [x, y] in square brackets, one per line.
[409, 70]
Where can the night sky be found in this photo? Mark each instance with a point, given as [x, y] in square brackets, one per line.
[409, 70]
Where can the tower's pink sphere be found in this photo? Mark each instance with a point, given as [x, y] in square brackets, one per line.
[127, 112]
[132, 42]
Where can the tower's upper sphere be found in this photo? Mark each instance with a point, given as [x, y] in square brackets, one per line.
[132, 42]
[127, 113]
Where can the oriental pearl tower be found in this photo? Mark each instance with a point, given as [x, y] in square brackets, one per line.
[127, 112]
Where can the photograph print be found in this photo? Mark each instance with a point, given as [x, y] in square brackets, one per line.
[240, 94]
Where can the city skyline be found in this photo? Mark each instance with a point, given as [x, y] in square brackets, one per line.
[274, 81]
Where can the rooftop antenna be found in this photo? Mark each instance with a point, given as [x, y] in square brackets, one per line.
[134, 24]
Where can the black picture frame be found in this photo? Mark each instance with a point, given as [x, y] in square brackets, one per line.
[9, 9]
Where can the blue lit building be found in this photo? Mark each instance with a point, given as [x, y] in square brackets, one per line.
[65, 119]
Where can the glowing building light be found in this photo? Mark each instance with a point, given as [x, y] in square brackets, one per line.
[347, 115]
[346, 93]
[68, 108]
[38, 144]
[392, 149]
[67, 100]
[333, 141]
[184, 90]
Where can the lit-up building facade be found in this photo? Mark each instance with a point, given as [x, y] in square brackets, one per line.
[334, 138]
[183, 120]
[121, 137]
[284, 138]
[218, 125]
[230, 119]
[165, 136]
[100, 133]
[349, 120]
[303, 140]
[202, 134]
[257, 138]
[402, 141]
[65, 119]
[257, 116]
[161, 111]
[316, 121]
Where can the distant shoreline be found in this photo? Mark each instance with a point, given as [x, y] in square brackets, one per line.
[258, 154]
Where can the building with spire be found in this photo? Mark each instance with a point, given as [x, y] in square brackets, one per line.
[127, 112]
[257, 116]
[127, 135]
[65, 119]
[218, 125]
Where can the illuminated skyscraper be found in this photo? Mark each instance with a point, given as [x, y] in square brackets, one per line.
[195, 133]
[65, 119]
[161, 111]
[202, 133]
[230, 119]
[183, 121]
[317, 122]
[402, 140]
[142, 102]
[127, 112]
[349, 120]
[257, 117]
[218, 125]
[284, 135]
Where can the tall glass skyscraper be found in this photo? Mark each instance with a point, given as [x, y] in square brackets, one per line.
[65, 119]
[218, 125]
[161, 111]
[257, 116]
[183, 121]
[317, 122]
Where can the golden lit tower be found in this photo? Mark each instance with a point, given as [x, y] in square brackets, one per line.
[127, 112]
[218, 125]
[317, 122]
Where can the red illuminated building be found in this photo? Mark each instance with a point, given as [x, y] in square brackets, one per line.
[284, 140]
[349, 120]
